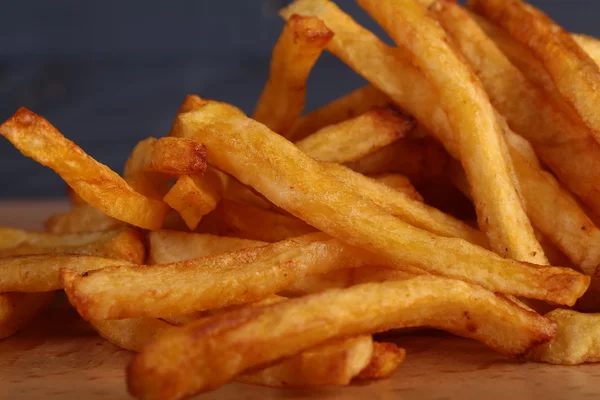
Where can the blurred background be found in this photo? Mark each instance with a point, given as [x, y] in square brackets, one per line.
[110, 73]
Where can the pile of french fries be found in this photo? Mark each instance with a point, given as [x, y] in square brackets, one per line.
[270, 249]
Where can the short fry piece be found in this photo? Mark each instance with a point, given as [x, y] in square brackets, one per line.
[349, 106]
[296, 52]
[97, 184]
[172, 246]
[355, 138]
[153, 161]
[204, 355]
[575, 75]
[17, 309]
[82, 218]
[386, 358]
[576, 342]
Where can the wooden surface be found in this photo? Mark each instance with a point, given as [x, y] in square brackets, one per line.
[60, 357]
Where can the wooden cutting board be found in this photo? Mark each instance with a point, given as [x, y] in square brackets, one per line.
[59, 356]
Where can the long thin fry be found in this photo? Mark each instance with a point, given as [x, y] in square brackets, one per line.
[301, 43]
[204, 355]
[97, 184]
[291, 180]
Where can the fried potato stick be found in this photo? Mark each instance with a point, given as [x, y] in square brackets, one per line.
[82, 218]
[97, 184]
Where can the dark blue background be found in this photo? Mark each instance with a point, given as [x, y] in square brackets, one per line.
[109, 73]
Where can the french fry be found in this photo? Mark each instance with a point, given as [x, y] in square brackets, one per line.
[18, 309]
[386, 358]
[291, 180]
[241, 219]
[40, 273]
[576, 340]
[399, 183]
[332, 363]
[121, 244]
[97, 184]
[354, 138]
[132, 334]
[473, 122]
[194, 196]
[574, 74]
[240, 193]
[562, 220]
[82, 218]
[349, 106]
[296, 52]
[74, 198]
[153, 162]
[500, 212]
[170, 246]
[590, 45]
[228, 344]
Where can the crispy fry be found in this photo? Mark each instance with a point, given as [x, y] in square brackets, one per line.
[40, 273]
[386, 358]
[17, 309]
[94, 182]
[296, 52]
[132, 334]
[241, 219]
[194, 196]
[576, 340]
[353, 139]
[121, 244]
[82, 218]
[332, 363]
[472, 119]
[500, 213]
[171, 246]
[154, 161]
[566, 147]
[400, 183]
[574, 74]
[277, 169]
[228, 344]
[349, 106]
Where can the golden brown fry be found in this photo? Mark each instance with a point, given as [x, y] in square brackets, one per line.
[341, 109]
[317, 283]
[333, 363]
[82, 218]
[249, 222]
[576, 340]
[122, 244]
[472, 119]
[194, 196]
[296, 52]
[501, 215]
[17, 309]
[97, 184]
[171, 246]
[204, 355]
[353, 139]
[561, 219]
[386, 358]
[291, 180]
[574, 74]
[40, 273]
[132, 334]
[420, 159]
[154, 161]
[400, 183]
[590, 45]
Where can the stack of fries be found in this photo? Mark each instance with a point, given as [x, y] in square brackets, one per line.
[270, 249]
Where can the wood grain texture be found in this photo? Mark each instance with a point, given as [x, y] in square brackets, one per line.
[59, 356]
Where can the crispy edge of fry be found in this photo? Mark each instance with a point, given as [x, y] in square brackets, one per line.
[241, 219]
[97, 184]
[242, 340]
[153, 162]
[575, 75]
[276, 168]
[355, 138]
[18, 309]
[354, 103]
[81, 218]
[589, 44]
[294, 55]
[576, 339]
[386, 359]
